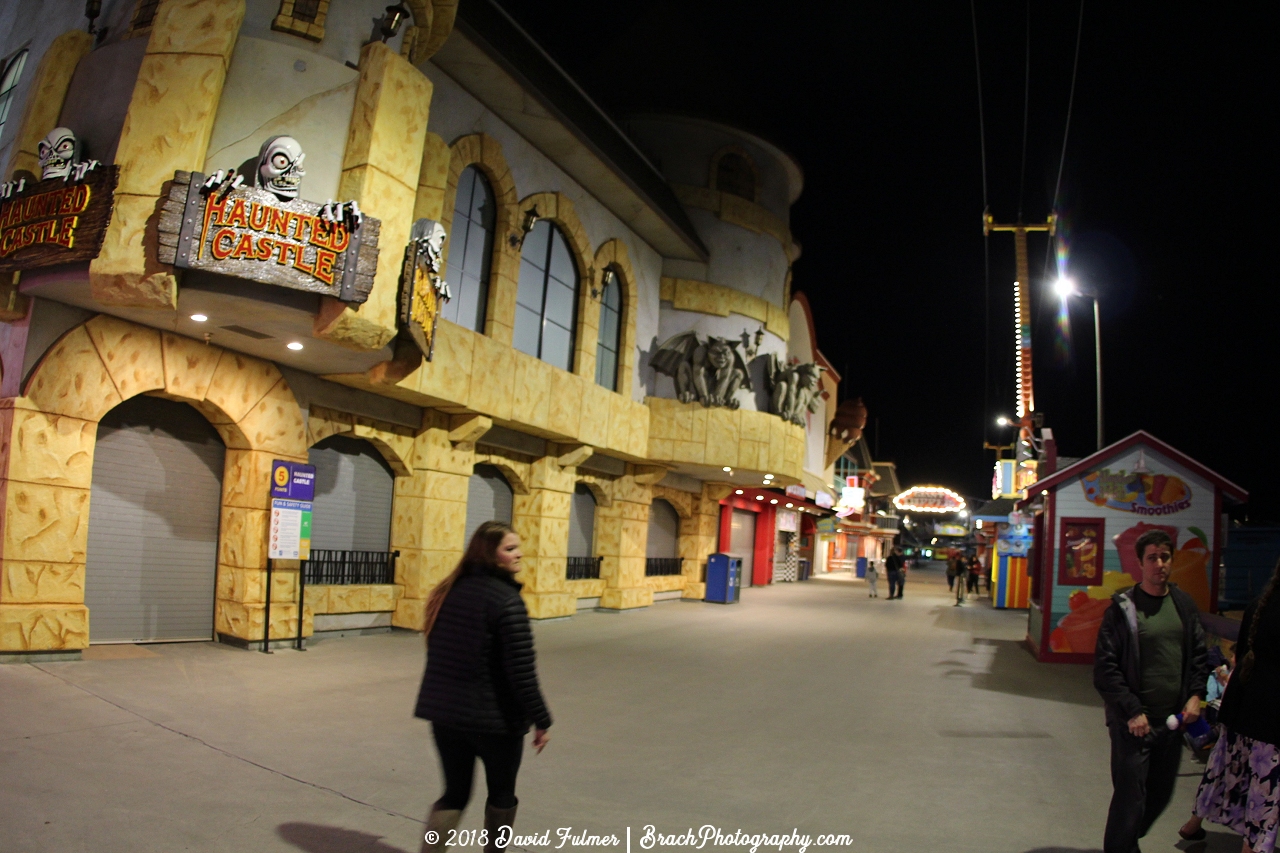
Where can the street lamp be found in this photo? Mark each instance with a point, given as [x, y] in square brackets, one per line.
[1066, 288]
[1003, 421]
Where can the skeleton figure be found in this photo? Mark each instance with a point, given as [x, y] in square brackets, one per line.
[58, 152]
[793, 389]
[280, 169]
[712, 373]
[430, 236]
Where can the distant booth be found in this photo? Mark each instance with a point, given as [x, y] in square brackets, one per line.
[1084, 521]
[1003, 536]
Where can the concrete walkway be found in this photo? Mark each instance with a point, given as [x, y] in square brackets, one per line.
[909, 725]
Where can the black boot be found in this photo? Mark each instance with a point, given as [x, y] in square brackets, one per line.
[494, 821]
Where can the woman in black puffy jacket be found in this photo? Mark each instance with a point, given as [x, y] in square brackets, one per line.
[480, 690]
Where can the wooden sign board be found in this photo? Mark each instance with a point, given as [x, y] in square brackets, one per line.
[249, 233]
[56, 221]
[419, 303]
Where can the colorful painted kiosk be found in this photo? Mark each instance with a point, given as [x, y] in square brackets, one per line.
[1085, 520]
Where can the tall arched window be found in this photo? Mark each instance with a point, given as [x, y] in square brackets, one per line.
[610, 341]
[547, 299]
[12, 72]
[735, 175]
[470, 251]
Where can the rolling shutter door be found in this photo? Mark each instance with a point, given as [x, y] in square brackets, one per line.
[153, 524]
[582, 523]
[354, 487]
[742, 542]
[664, 531]
[489, 498]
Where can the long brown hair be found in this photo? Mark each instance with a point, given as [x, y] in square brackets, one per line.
[1246, 665]
[481, 551]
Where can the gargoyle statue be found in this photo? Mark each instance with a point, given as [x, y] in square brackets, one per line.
[710, 372]
[793, 389]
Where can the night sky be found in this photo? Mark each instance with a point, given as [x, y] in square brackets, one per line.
[1167, 198]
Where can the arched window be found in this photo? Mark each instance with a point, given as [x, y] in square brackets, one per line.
[610, 341]
[735, 175]
[354, 489]
[470, 251]
[8, 83]
[489, 498]
[547, 298]
[662, 548]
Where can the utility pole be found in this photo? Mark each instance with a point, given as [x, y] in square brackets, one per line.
[1026, 401]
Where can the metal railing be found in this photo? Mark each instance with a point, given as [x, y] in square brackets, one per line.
[583, 568]
[656, 566]
[887, 522]
[349, 567]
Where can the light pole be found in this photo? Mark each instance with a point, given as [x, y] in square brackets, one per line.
[1066, 288]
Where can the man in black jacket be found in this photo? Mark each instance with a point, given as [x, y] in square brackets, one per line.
[1150, 662]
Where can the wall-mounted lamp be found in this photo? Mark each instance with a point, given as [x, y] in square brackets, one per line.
[92, 9]
[530, 219]
[392, 20]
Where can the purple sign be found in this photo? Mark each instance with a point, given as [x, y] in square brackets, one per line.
[293, 480]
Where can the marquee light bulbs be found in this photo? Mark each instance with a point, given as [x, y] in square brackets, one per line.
[929, 499]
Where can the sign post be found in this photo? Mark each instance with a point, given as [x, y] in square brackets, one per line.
[289, 538]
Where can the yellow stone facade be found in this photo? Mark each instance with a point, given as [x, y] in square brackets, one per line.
[706, 298]
[399, 171]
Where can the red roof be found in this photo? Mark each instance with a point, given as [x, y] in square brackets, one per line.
[1228, 488]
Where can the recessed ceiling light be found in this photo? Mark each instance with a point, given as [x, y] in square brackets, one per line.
[727, 469]
[759, 497]
[294, 345]
[790, 505]
[199, 318]
[738, 492]
[774, 501]
[768, 476]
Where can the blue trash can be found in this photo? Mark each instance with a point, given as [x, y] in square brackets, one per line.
[862, 567]
[723, 578]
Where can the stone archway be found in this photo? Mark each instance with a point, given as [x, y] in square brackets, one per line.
[49, 435]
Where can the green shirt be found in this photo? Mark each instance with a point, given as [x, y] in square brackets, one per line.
[1160, 645]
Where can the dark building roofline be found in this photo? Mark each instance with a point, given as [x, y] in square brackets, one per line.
[509, 46]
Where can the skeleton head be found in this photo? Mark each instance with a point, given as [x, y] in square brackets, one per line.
[280, 167]
[430, 235]
[58, 152]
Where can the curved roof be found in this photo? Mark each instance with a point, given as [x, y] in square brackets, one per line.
[790, 165]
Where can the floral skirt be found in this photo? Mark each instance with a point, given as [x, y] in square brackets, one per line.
[1241, 789]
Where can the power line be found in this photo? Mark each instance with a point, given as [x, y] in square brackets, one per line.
[1026, 111]
[1066, 133]
[986, 239]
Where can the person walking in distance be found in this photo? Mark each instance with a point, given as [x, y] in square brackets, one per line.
[480, 690]
[975, 572]
[953, 568]
[871, 580]
[1150, 662]
[894, 569]
[1241, 785]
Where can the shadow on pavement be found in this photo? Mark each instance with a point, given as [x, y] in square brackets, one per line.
[1214, 842]
[318, 838]
[1014, 671]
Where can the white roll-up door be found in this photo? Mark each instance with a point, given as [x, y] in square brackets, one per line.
[664, 531]
[742, 541]
[354, 488]
[489, 498]
[153, 524]
[582, 523]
